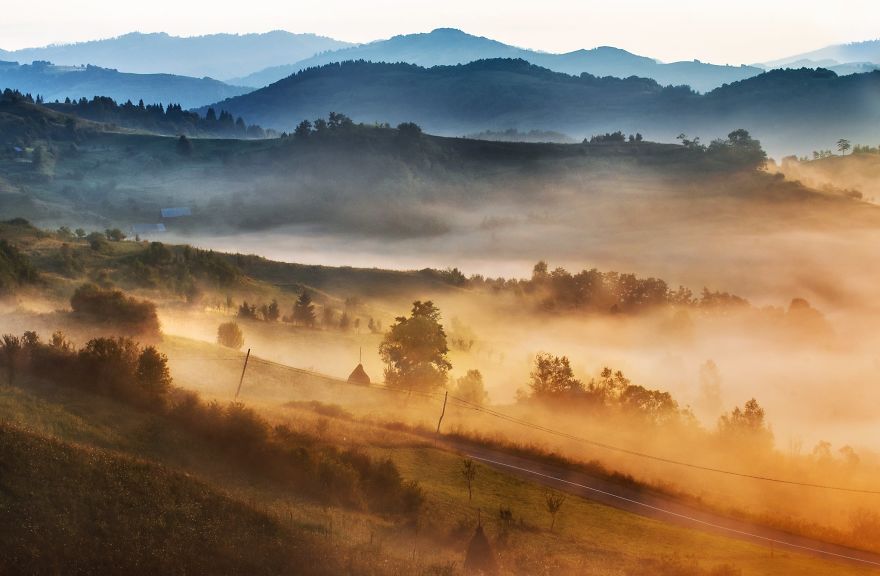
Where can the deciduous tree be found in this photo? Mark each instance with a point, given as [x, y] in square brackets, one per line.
[415, 351]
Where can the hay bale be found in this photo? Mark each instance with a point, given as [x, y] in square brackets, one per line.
[359, 376]
[480, 557]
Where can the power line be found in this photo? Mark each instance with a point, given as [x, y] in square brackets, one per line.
[678, 514]
[568, 436]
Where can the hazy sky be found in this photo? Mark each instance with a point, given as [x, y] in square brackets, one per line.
[724, 32]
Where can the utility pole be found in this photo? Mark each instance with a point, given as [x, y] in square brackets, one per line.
[240, 380]
[442, 412]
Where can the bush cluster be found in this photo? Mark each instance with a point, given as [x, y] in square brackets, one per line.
[179, 269]
[122, 369]
[116, 367]
[340, 477]
[15, 268]
[114, 308]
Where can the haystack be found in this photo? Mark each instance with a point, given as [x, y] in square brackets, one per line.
[359, 376]
[480, 558]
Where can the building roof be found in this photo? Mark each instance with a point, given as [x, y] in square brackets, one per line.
[176, 212]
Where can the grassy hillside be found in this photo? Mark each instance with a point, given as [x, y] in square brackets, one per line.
[85, 510]
[855, 175]
[153, 517]
[587, 537]
[362, 182]
[51, 264]
[24, 124]
[379, 183]
[363, 422]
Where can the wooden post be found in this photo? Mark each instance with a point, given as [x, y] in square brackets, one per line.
[442, 412]
[240, 380]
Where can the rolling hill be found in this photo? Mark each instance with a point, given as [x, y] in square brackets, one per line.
[215, 55]
[59, 82]
[446, 46]
[852, 53]
[132, 515]
[789, 110]
[452, 99]
[22, 123]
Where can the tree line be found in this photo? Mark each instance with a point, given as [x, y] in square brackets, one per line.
[122, 369]
[170, 119]
[416, 356]
[592, 290]
[304, 313]
[338, 123]
[738, 150]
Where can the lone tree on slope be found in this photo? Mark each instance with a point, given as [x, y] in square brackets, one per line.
[469, 471]
[553, 501]
[229, 335]
[415, 351]
[304, 310]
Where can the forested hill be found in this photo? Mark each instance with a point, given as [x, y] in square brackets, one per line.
[219, 56]
[486, 94]
[449, 46]
[170, 120]
[59, 82]
[23, 123]
[26, 119]
[790, 111]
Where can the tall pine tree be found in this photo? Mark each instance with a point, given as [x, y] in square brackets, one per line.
[304, 310]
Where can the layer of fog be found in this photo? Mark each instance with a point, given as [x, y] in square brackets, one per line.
[812, 389]
[810, 252]
[497, 212]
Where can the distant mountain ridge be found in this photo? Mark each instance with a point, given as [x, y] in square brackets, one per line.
[866, 52]
[257, 60]
[790, 110]
[60, 82]
[220, 56]
[449, 46]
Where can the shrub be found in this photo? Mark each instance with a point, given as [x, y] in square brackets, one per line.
[153, 376]
[108, 366]
[243, 429]
[97, 241]
[115, 367]
[184, 146]
[10, 355]
[114, 308]
[409, 130]
[15, 268]
[229, 335]
[115, 234]
[176, 269]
